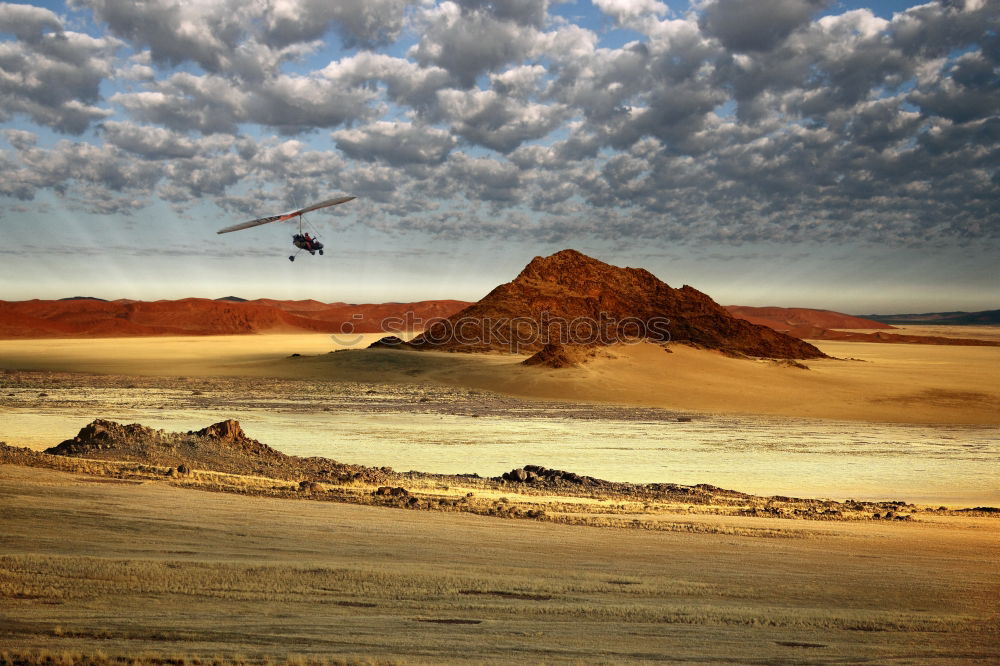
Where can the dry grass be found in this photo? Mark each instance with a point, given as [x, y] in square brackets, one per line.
[56, 580]
[100, 658]
[102, 572]
[601, 508]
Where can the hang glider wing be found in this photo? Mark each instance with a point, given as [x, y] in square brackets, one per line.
[285, 216]
[324, 204]
[251, 223]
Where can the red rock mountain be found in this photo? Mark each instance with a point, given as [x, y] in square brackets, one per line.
[569, 297]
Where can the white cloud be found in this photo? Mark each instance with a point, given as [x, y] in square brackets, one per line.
[760, 25]
[624, 11]
[53, 78]
[726, 123]
[27, 22]
[487, 118]
[210, 103]
[395, 143]
[469, 43]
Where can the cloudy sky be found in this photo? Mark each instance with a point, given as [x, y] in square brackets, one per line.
[769, 152]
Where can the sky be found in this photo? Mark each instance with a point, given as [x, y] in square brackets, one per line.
[808, 153]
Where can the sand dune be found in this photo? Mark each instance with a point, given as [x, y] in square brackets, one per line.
[899, 383]
[92, 318]
[787, 319]
[890, 383]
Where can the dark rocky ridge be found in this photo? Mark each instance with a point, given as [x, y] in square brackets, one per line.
[221, 447]
[571, 299]
[981, 318]
[224, 447]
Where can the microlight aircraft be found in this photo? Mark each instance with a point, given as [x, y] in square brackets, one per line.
[301, 240]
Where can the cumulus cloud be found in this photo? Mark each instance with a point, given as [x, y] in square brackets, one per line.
[470, 42]
[964, 91]
[732, 122]
[359, 22]
[51, 75]
[757, 25]
[524, 12]
[158, 143]
[395, 143]
[407, 84]
[175, 32]
[495, 121]
[99, 178]
[248, 39]
[210, 103]
[625, 11]
[26, 22]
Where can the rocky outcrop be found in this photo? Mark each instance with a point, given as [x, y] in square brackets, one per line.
[221, 447]
[101, 434]
[571, 299]
[388, 342]
[542, 475]
[228, 433]
[318, 478]
[555, 355]
[390, 491]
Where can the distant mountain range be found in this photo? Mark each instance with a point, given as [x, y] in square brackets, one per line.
[983, 318]
[827, 325]
[84, 317]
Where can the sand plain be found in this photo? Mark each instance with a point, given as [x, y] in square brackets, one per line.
[99, 566]
[973, 332]
[903, 383]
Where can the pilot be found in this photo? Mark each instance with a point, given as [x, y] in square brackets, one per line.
[309, 242]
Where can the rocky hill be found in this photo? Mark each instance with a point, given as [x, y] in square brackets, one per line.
[221, 447]
[571, 299]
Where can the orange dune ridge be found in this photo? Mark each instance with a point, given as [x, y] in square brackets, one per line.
[788, 319]
[92, 318]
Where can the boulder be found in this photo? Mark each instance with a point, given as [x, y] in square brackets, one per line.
[389, 491]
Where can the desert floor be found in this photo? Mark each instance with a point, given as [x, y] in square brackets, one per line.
[99, 566]
[903, 383]
[92, 565]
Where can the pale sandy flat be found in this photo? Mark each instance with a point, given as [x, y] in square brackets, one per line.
[153, 569]
[881, 382]
[991, 333]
